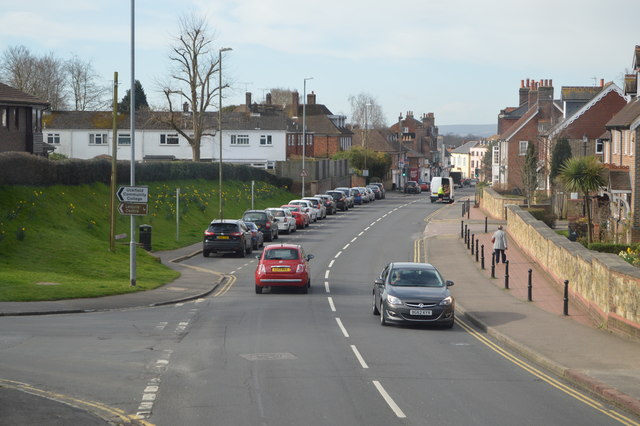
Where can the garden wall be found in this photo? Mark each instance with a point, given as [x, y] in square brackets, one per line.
[608, 286]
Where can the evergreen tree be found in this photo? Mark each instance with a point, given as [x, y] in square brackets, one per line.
[530, 172]
[561, 153]
[141, 99]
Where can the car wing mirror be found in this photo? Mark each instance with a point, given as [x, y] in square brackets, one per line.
[449, 283]
[379, 281]
[310, 256]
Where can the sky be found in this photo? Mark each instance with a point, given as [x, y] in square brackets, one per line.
[462, 60]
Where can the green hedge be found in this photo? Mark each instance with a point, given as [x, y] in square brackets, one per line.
[610, 248]
[543, 215]
[17, 168]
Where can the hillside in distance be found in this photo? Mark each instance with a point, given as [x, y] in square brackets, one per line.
[481, 130]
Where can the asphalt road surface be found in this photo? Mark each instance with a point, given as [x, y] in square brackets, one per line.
[280, 358]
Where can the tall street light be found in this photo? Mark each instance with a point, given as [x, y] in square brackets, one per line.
[223, 49]
[366, 138]
[304, 129]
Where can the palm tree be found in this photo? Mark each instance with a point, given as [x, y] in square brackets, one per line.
[583, 175]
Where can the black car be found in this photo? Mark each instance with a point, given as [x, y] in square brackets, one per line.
[376, 191]
[265, 221]
[227, 235]
[381, 186]
[413, 293]
[340, 199]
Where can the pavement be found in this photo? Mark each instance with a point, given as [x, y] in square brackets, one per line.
[571, 346]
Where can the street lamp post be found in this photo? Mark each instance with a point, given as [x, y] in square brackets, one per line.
[304, 128]
[223, 49]
[366, 138]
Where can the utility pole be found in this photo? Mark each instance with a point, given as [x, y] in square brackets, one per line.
[114, 167]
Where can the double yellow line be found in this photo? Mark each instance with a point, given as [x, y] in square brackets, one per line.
[546, 378]
[228, 281]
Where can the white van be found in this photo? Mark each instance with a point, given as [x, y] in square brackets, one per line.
[447, 184]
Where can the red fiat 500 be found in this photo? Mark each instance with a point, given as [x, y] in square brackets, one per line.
[283, 265]
[302, 218]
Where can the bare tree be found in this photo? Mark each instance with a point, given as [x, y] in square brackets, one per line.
[42, 77]
[86, 91]
[195, 62]
[280, 96]
[366, 107]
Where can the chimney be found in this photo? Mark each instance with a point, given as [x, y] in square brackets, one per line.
[533, 95]
[295, 103]
[268, 100]
[185, 107]
[311, 98]
[602, 82]
[247, 97]
[524, 92]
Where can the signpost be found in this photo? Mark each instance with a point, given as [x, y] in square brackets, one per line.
[133, 209]
[133, 200]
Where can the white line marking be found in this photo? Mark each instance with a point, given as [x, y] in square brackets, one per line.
[344, 330]
[333, 307]
[337, 255]
[345, 247]
[378, 219]
[331, 263]
[372, 223]
[360, 359]
[326, 274]
[385, 215]
[398, 412]
[360, 234]
[367, 228]
[326, 286]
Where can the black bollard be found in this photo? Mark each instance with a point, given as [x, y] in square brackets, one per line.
[466, 233]
[482, 256]
[493, 265]
[485, 224]
[477, 249]
[530, 287]
[463, 207]
[473, 238]
[468, 238]
[566, 297]
[462, 229]
[468, 208]
[506, 275]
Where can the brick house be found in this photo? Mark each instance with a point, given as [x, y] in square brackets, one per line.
[21, 122]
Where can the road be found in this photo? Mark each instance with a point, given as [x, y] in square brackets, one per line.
[283, 358]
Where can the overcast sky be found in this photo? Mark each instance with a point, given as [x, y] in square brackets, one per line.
[460, 59]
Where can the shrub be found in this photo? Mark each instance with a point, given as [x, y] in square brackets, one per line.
[542, 214]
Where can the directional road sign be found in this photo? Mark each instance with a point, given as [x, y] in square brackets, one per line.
[133, 209]
[133, 194]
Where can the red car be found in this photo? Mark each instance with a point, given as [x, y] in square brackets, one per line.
[283, 265]
[302, 218]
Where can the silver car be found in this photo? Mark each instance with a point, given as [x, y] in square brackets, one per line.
[284, 218]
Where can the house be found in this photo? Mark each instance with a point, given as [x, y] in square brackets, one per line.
[256, 138]
[21, 122]
[467, 159]
[523, 125]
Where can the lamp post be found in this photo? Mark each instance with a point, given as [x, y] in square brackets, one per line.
[304, 129]
[366, 138]
[223, 49]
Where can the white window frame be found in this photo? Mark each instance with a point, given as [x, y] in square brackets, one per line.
[521, 145]
[98, 139]
[631, 141]
[169, 139]
[53, 138]
[124, 139]
[240, 140]
[599, 146]
[266, 140]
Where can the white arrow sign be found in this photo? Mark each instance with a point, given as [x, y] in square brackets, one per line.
[133, 194]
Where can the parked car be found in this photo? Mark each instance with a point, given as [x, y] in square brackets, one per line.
[284, 219]
[376, 191]
[412, 187]
[340, 199]
[308, 207]
[265, 221]
[227, 235]
[257, 237]
[357, 197]
[369, 192]
[301, 216]
[381, 186]
[424, 186]
[283, 265]
[318, 203]
[413, 293]
[347, 192]
[329, 203]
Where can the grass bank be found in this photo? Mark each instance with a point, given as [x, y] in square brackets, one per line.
[54, 241]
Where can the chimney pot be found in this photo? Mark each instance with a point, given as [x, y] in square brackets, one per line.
[247, 96]
[602, 82]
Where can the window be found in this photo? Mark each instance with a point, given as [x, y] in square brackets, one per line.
[523, 147]
[169, 139]
[5, 120]
[599, 146]
[239, 139]
[496, 155]
[53, 138]
[124, 139]
[265, 140]
[98, 139]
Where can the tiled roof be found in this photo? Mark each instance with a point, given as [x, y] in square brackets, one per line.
[515, 128]
[12, 96]
[465, 148]
[627, 115]
[579, 93]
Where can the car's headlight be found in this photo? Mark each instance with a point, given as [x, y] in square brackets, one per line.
[446, 301]
[392, 300]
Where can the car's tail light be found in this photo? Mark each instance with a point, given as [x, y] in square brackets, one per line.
[300, 268]
[262, 269]
[268, 225]
[209, 233]
[235, 234]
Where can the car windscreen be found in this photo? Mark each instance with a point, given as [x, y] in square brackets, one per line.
[416, 278]
[254, 216]
[281, 254]
[223, 228]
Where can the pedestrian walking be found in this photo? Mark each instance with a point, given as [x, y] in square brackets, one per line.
[499, 241]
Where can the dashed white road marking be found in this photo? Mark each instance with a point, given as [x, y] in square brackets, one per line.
[161, 325]
[150, 392]
[331, 263]
[354, 239]
[344, 330]
[333, 307]
[346, 247]
[326, 287]
[373, 223]
[326, 274]
[367, 228]
[360, 234]
[359, 357]
[394, 407]
[337, 255]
